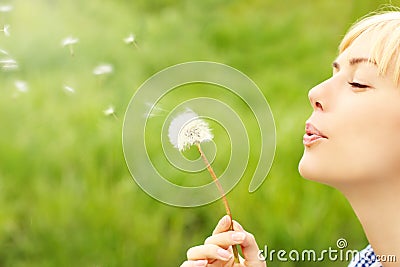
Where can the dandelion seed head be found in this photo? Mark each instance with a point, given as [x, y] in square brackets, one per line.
[6, 8]
[188, 129]
[130, 39]
[103, 69]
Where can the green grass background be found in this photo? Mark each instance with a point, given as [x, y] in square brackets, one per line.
[66, 195]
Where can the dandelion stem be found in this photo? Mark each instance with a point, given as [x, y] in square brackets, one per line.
[222, 192]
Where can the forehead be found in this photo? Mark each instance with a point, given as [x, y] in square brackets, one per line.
[361, 56]
[361, 47]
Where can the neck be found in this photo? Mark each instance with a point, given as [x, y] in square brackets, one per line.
[377, 206]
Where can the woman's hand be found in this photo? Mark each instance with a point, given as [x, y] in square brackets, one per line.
[217, 249]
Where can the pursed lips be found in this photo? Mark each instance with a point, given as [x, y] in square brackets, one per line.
[312, 135]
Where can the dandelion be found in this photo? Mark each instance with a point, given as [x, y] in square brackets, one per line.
[69, 89]
[131, 40]
[103, 69]
[6, 8]
[6, 30]
[188, 129]
[110, 111]
[70, 42]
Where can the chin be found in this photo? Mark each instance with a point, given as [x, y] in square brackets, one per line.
[312, 169]
[306, 171]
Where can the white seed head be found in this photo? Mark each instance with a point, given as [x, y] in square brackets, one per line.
[69, 41]
[188, 129]
[103, 69]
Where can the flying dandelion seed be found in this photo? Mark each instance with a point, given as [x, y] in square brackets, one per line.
[189, 129]
[70, 42]
[8, 64]
[69, 89]
[110, 111]
[4, 52]
[21, 86]
[131, 40]
[6, 8]
[154, 111]
[103, 69]
[6, 30]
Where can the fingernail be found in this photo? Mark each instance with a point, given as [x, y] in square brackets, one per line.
[225, 220]
[238, 236]
[200, 263]
[225, 255]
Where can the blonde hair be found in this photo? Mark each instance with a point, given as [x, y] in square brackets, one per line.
[385, 30]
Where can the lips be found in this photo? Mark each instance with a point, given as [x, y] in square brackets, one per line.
[312, 135]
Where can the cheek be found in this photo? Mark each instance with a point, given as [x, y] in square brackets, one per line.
[378, 147]
[371, 133]
[369, 144]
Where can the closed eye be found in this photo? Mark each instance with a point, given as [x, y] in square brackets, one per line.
[359, 85]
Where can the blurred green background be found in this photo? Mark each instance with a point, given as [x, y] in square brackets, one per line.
[66, 195]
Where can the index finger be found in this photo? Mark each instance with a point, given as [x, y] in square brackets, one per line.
[223, 225]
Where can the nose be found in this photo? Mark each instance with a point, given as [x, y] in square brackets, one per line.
[318, 96]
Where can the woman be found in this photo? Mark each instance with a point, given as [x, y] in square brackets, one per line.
[352, 142]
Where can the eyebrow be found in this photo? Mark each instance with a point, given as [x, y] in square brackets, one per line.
[355, 61]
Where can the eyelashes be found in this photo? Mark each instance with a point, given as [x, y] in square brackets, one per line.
[359, 85]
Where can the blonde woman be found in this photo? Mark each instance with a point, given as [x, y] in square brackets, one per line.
[352, 142]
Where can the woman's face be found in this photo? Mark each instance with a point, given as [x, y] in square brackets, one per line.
[353, 132]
